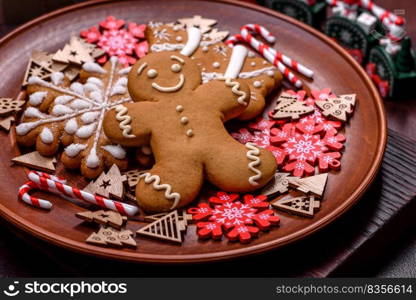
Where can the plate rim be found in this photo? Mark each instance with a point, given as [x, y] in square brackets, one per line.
[85, 248]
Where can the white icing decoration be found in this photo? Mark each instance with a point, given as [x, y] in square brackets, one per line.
[35, 80]
[141, 68]
[257, 84]
[149, 178]
[146, 150]
[250, 54]
[236, 62]
[89, 117]
[90, 87]
[189, 132]
[118, 90]
[169, 89]
[152, 73]
[205, 49]
[115, 150]
[184, 120]
[235, 85]
[124, 71]
[74, 149]
[79, 104]
[253, 64]
[176, 68]
[96, 81]
[166, 47]
[32, 112]
[71, 126]
[64, 99]
[37, 98]
[270, 73]
[179, 108]
[194, 37]
[256, 73]
[86, 131]
[179, 39]
[216, 64]
[93, 68]
[46, 136]
[97, 96]
[57, 78]
[92, 160]
[125, 120]
[77, 88]
[24, 128]
[59, 110]
[253, 155]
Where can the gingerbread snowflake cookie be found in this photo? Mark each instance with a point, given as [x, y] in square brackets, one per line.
[213, 56]
[58, 113]
[182, 120]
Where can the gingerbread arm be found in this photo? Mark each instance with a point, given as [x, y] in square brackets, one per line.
[128, 124]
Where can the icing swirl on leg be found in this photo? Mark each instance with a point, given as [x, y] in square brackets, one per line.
[253, 154]
[124, 120]
[149, 178]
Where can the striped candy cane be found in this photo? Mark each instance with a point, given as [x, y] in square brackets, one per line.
[291, 63]
[43, 181]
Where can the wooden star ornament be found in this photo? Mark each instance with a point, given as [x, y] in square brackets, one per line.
[197, 21]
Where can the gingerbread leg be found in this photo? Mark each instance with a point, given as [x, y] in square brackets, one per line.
[239, 168]
[169, 185]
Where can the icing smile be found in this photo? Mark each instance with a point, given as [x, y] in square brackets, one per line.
[167, 89]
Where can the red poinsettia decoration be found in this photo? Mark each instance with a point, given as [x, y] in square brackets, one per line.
[127, 44]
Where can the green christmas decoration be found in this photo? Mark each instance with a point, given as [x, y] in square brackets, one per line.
[394, 75]
[311, 12]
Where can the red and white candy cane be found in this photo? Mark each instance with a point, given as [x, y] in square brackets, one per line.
[56, 185]
[291, 63]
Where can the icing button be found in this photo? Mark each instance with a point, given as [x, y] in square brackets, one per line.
[205, 49]
[253, 64]
[184, 120]
[270, 73]
[257, 84]
[179, 39]
[179, 108]
[189, 133]
[216, 65]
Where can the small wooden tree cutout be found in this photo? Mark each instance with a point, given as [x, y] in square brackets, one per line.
[9, 106]
[36, 161]
[110, 184]
[304, 206]
[74, 52]
[289, 107]
[133, 177]
[168, 227]
[37, 69]
[110, 218]
[215, 35]
[6, 122]
[338, 108]
[183, 218]
[279, 184]
[107, 236]
[313, 184]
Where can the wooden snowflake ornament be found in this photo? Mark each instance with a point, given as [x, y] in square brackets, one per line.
[9, 106]
[304, 206]
[338, 108]
[288, 107]
[108, 236]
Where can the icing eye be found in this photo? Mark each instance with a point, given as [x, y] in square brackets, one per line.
[152, 73]
[176, 68]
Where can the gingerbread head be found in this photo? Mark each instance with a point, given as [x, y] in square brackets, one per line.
[182, 120]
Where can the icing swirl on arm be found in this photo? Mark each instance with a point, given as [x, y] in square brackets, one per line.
[149, 178]
[235, 88]
[253, 155]
[124, 120]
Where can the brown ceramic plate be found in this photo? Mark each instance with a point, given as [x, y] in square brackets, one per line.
[366, 135]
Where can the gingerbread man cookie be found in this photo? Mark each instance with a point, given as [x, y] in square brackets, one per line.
[213, 57]
[182, 120]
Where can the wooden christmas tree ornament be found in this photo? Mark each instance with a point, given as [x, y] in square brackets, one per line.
[108, 184]
[197, 21]
[107, 236]
[74, 52]
[278, 185]
[133, 177]
[37, 69]
[313, 184]
[110, 218]
[6, 122]
[36, 161]
[338, 108]
[183, 218]
[168, 227]
[304, 206]
[289, 107]
[9, 106]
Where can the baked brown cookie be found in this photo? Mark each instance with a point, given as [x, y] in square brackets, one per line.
[213, 56]
[183, 121]
[58, 112]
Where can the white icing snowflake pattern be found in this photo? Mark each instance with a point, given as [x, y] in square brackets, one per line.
[161, 34]
[80, 108]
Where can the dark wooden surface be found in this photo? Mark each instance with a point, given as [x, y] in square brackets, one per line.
[316, 262]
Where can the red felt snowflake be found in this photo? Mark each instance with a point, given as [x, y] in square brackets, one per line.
[115, 40]
[237, 220]
[243, 136]
[261, 124]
